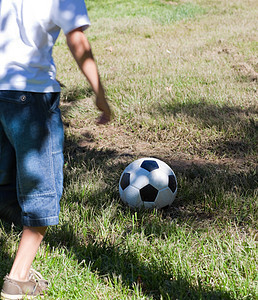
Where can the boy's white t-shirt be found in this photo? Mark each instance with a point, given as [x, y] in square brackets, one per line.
[28, 32]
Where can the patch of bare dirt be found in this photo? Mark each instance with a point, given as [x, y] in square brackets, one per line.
[245, 69]
[128, 146]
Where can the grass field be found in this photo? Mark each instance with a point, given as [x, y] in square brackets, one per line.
[181, 77]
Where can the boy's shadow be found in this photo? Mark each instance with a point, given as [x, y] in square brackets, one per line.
[108, 260]
[111, 261]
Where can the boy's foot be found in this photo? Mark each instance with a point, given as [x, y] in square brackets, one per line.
[15, 289]
[38, 277]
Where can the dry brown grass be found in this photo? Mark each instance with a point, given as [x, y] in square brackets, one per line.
[184, 90]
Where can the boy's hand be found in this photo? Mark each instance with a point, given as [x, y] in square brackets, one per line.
[103, 106]
[102, 119]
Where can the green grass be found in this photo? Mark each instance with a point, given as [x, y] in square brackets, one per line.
[181, 77]
[162, 12]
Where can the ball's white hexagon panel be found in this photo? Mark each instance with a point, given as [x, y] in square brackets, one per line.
[131, 196]
[139, 178]
[158, 179]
[165, 197]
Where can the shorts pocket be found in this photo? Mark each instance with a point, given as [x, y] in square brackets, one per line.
[51, 101]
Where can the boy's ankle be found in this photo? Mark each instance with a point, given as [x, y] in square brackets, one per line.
[19, 276]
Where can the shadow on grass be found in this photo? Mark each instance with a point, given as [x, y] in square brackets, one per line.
[112, 262]
[237, 123]
[72, 95]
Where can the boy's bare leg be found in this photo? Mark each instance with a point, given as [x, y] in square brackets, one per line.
[28, 246]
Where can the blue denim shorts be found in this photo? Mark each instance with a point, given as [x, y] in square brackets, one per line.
[31, 156]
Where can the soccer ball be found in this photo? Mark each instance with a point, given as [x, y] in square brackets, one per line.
[148, 183]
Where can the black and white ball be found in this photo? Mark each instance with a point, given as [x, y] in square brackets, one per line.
[148, 183]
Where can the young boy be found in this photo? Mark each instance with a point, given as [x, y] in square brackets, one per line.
[31, 130]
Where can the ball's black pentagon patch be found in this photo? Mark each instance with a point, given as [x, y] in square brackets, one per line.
[149, 165]
[125, 181]
[148, 193]
[172, 183]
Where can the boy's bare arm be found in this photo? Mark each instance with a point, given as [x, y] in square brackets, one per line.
[81, 50]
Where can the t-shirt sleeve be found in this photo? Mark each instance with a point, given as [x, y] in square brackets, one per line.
[70, 14]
